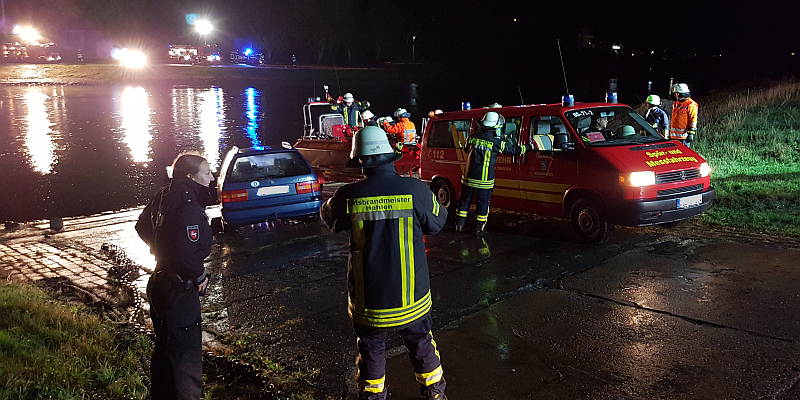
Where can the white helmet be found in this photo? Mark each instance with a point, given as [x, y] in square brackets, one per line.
[401, 113]
[654, 100]
[495, 105]
[371, 141]
[367, 114]
[681, 88]
[493, 120]
[349, 97]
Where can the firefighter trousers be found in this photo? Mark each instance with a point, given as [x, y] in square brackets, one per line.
[371, 360]
[482, 197]
[176, 367]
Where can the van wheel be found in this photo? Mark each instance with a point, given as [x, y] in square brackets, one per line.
[444, 193]
[588, 221]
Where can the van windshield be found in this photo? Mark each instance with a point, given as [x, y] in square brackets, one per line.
[611, 126]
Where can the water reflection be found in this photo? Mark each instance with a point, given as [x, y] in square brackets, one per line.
[136, 123]
[199, 114]
[252, 105]
[212, 120]
[39, 142]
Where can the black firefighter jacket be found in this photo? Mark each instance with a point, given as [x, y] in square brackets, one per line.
[482, 148]
[175, 226]
[388, 281]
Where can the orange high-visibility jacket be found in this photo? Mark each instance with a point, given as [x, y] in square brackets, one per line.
[684, 119]
[404, 130]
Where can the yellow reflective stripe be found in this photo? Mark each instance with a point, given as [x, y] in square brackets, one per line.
[392, 317]
[486, 158]
[461, 213]
[531, 185]
[429, 378]
[359, 240]
[523, 149]
[403, 264]
[410, 276]
[502, 146]
[435, 347]
[435, 205]
[482, 218]
[477, 183]
[372, 385]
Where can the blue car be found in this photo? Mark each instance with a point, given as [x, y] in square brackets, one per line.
[261, 184]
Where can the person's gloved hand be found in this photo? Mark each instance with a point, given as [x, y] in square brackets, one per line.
[366, 104]
[690, 138]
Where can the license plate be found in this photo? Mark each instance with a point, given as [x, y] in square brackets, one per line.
[269, 190]
[690, 201]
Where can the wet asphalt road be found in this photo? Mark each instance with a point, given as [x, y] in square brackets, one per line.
[528, 313]
[651, 313]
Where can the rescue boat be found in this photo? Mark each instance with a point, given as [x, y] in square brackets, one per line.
[326, 144]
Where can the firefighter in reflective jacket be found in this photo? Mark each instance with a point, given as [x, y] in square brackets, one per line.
[655, 116]
[404, 130]
[478, 179]
[175, 226]
[387, 279]
[683, 124]
[349, 108]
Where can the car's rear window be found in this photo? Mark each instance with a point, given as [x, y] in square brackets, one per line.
[268, 166]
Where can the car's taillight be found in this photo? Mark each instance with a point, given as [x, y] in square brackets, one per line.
[307, 187]
[233, 196]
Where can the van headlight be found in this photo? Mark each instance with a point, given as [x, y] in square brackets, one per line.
[643, 178]
[704, 170]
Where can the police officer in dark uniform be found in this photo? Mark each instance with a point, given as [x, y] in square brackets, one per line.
[478, 179]
[175, 226]
[388, 281]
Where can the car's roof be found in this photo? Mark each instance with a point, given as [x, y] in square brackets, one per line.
[535, 109]
[265, 150]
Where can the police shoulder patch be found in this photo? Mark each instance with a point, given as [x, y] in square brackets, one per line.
[193, 232]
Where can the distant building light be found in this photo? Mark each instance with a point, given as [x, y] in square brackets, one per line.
[615, 47]
[652, 52]
[515, 20]
[793, 53]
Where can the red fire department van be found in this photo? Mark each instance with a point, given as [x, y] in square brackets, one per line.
[624, 174]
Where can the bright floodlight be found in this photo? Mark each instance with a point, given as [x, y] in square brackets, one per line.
[130, 58]
[27, 33]
[203, 27]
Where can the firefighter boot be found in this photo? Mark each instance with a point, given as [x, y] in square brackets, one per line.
[479, 228]
[431, 394]
[460, 222]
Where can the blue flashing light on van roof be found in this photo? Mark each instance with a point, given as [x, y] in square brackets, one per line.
[248, 51]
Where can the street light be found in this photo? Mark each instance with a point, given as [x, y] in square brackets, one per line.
[413, 39]
[203, 27]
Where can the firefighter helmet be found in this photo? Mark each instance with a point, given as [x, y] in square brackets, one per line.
[348, 97]
[654, 100]
[371, 148]
[681, 88]
[367, 114]
[402, 113]
[493, 120]
[626, 130]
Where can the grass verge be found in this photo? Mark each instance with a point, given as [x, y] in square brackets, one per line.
[247, 374]
[751, 139]
[53, 350]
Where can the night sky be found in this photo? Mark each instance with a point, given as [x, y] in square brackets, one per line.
[755, 40]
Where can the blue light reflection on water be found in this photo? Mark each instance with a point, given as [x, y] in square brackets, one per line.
[252, 114]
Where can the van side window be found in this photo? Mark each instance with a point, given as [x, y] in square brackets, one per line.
[545, 131]
[449, 134]
[510, 131]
